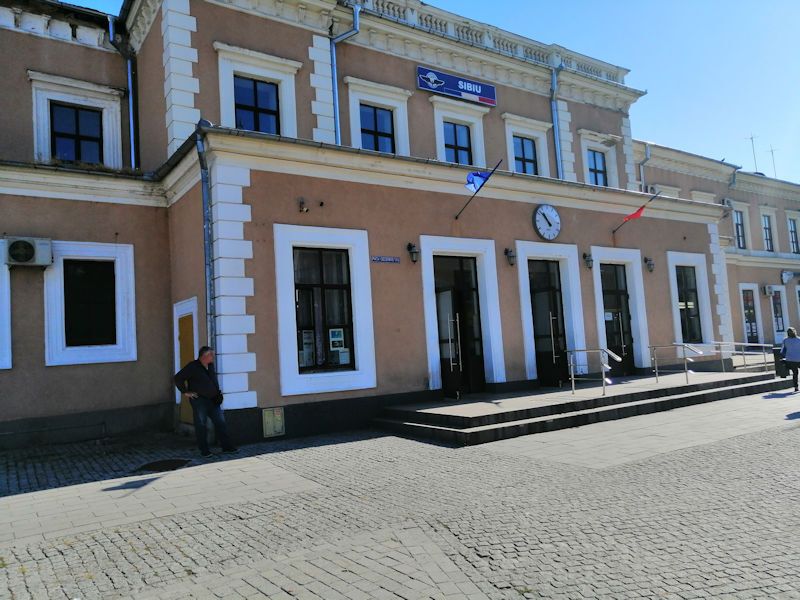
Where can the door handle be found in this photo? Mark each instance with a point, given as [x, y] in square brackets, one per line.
[622, 335]
[450, 341]
[458, 333]
[552, 338]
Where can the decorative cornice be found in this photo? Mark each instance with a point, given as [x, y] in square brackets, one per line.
[678, 161]
[46, 26]
[766, 186]
[760, 258]
[74, 84]
[140, 19]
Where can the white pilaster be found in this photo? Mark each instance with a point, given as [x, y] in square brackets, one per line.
[566, 139]
[627, 152]
[720, 274]
[322, 82]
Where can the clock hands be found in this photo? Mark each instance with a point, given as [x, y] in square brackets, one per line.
[549, 224]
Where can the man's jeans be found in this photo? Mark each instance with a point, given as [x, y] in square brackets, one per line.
[203, 409]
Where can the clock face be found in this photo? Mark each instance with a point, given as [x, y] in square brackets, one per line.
[547, 222]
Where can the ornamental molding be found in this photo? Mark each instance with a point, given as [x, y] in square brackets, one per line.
[765, 186]
[140, 19]
[61, 30]
[761, 258]
[676, 161]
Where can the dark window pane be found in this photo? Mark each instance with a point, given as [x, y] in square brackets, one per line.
[89, 303]
[463, 157]
[306, 266]
[517, 147]
[519, 166]
[384, 120]
[530, 149]
[90, 123]
[245, 119]
[336, 309]
[385, 144]
[243, 92]
[63, 119]
[335, 267]
[462, 132]
[268, 123]
[64, 149]
[367, 117]
[90, 151]
[267, 95]
[450, 155]
[450, 134]
[368, 141]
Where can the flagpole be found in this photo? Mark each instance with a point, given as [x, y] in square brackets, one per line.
[479, 189]
[641, 207]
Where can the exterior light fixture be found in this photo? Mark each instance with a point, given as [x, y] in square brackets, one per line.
[413, 252]
[650, 264]
[301, 205]
[588, 260]
[511, 257]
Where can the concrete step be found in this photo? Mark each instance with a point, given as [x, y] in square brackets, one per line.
[412, 414]
[498, 431]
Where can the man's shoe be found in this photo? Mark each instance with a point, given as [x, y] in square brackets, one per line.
[230, 450]
[206, 454]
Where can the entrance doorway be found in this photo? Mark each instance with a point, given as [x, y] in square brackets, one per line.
[549, 333]
[459, 321]
[186, 346]
[617, 317]
[750, 319]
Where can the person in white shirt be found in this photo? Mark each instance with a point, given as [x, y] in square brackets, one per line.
[790, 351]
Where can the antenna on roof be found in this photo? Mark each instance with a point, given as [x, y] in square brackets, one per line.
[753, 145]
[774, 171]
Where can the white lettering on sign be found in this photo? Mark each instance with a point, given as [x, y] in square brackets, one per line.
[469, 87]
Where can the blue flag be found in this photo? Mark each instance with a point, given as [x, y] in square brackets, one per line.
[476, 180]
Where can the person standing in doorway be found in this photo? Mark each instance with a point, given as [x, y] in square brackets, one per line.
[198, 380]
[790, 351]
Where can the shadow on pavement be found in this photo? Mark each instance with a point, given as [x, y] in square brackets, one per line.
[793, 416]
[779, 395]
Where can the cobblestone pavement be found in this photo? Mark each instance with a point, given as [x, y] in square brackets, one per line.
[368, 516]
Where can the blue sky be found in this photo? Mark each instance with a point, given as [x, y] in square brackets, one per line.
[716, 71]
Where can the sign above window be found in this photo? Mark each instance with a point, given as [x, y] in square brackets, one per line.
[456, 86]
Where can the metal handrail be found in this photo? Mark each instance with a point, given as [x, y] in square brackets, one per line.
[603, 364]
[686, 360]
[743, 353]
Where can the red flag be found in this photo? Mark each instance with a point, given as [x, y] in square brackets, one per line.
[635, 215]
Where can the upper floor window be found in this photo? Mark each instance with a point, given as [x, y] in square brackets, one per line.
[257, 105]
[766, 223]
[794, 243]
[525, 156]
[76, 121]
[457, 143]
[377, 129]
[76, 133]
[257, 91]
[738, 229]
[598, 175]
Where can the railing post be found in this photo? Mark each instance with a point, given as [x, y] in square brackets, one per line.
[721, 357]
[744, 356]
[572, 371]
[686, 365]
[764, 354]
[655, 362]
[603, 371]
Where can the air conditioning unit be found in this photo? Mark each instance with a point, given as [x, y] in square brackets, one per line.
[727, 202]
[28, 252]
[769, 290]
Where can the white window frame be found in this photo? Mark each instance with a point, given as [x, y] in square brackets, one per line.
[792, 215]
[778, 336]
[569, 267]
[56, 350]
[632, 259]
[529, 128]
[471, 115]
[181, 309]
[5, 311]
[605, 143]
[233, 60]
[773, 219]
[47, 88]
[753, 287]
[491, 325]
[383, 96]
[698, 261]
[356, 242]
[797, 302]
[744, 207]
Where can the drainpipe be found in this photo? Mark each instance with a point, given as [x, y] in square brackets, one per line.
[733, 177]
[642, 164]
[208, 249]
[126, 53]
[554, 71]
[335, 40]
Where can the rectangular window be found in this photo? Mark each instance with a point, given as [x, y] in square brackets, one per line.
[377, 129]
[597, 168]
[323, 308]
[76, 133]
[256, 105]
[793, 240]
[688, 304]
[90, 314]
[766, 222]
[525, 156]
[738, 229]
[457, 143]
[777, 311]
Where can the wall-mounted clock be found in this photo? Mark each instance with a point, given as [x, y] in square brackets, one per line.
[547, 222]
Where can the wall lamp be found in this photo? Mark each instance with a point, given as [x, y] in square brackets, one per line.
[413, 252]
[511, 256]
[650, 264]
[588, 260]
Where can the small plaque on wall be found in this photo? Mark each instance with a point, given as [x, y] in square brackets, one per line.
[386, 259]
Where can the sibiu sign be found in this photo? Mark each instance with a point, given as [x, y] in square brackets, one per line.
[458, 87]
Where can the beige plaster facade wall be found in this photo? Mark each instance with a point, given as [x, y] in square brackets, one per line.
[152, 107]
[22, 52]
[392, 218]
[219, 24]
[31, 389]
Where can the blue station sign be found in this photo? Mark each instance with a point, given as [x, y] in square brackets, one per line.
[456, 86]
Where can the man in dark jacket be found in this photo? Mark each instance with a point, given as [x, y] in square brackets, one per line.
[198, 380]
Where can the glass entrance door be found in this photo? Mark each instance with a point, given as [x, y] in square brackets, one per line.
[549, 336]
[459, 318]
[750, 322]
[617, 316]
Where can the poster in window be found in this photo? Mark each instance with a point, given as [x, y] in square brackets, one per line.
[306, 357]
[336, 338]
